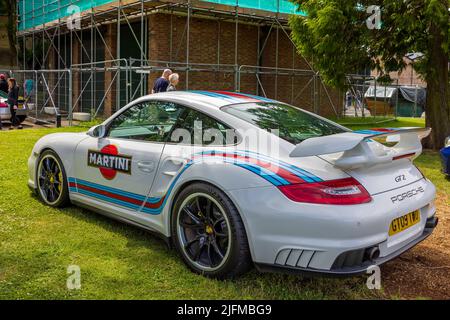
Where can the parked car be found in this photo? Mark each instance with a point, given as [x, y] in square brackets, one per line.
[324, 200]
[5, 114]
[445, 156]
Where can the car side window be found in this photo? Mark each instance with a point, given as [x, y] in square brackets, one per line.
[200, 129]
[147, 121]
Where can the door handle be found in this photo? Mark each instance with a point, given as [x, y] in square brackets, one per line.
[146, 166]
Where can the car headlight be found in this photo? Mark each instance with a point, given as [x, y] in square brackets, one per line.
[447, 142]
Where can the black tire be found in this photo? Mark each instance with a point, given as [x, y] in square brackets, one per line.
[224, 219]
[51, 180]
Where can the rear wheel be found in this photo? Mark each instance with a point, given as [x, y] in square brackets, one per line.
[51, 180]
[208, 232]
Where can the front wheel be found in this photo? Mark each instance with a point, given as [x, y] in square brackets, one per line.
[51, 180]
[208, 232]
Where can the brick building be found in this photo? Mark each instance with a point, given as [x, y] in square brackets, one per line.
[115, 49]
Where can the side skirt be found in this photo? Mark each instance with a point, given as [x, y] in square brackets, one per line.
[155, 233]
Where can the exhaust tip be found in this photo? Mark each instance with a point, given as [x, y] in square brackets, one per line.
[432, 223]
[372, 253]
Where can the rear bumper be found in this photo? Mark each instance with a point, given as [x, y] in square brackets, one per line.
[353, 271]
[328, 238]
[6, 115]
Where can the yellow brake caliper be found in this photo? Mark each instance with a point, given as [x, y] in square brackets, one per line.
[60, 179]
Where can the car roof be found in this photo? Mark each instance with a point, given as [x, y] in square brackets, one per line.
[215, 99]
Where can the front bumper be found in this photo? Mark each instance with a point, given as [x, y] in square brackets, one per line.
[32, 160]
[356, 270]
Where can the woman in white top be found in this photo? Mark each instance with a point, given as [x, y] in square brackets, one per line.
[173, 81]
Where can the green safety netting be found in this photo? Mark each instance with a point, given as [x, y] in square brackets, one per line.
[33, 13]
[281, 6]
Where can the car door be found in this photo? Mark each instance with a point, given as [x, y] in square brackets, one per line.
[116, 172]
[195, 133]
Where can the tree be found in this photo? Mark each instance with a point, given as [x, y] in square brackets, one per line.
[337, 40]
[8, 8]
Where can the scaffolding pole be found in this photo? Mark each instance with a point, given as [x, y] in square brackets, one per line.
[122, 15]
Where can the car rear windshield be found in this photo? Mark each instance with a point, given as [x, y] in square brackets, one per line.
[293, 124]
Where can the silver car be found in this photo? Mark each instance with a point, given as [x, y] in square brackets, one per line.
[5, 114]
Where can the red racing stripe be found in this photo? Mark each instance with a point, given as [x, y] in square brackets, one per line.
[119, 197]
[110, 195]
[382, 129]
[155, 205]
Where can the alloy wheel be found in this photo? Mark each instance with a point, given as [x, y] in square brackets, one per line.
[50, 179]
[204, 231]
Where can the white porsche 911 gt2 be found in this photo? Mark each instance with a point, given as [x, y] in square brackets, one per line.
[234, 180]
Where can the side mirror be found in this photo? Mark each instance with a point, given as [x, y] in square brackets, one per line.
[98, 131]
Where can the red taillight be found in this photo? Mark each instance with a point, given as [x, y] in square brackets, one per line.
[403, 156]
[341, 192]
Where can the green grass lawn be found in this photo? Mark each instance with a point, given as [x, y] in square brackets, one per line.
[38, 243]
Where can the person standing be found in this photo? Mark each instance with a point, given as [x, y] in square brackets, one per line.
[3, 83]
[13, 97]
[348, 99]
[173, 81]
[162, 82]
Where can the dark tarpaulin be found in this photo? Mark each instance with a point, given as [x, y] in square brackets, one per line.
[409, 93]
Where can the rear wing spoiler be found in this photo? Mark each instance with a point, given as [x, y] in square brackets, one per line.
[354, 149]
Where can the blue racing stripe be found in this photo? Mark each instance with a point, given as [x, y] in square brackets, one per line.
[270, 176]
[257, 170]
[371, 132]
[303, 174]
[377, 132]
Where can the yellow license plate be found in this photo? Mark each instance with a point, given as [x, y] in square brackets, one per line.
[404, 222]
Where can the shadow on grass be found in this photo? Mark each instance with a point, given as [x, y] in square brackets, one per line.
[110, 224]
[250, 285]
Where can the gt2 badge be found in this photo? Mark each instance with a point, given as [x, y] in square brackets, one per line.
[109, 161]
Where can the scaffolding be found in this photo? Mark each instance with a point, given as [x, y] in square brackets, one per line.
[78, 65]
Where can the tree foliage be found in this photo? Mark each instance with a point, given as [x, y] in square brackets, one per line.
[8, 8]
[337, 40]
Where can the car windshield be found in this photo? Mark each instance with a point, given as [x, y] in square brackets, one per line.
[294, 125]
